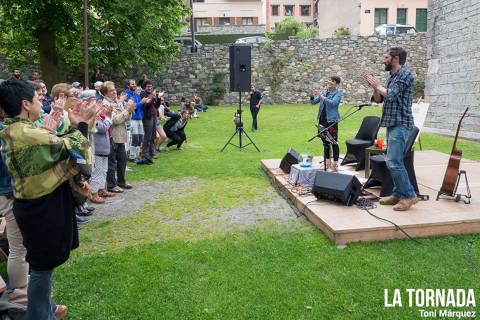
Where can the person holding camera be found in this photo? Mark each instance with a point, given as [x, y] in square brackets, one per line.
[327, 114]
[255, 97]
[175, 128]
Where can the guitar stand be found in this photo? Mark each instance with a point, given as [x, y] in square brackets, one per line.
[458, 196]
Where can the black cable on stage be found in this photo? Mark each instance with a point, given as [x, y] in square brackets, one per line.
[367, 204]
[305, 206]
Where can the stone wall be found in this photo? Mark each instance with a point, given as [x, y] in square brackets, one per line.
[233, 29]
[286, 70]
[453, 79]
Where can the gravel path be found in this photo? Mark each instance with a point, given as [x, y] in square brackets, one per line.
[276, 210]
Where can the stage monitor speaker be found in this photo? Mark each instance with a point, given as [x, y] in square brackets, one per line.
[240, 68]
[337, 187]
[292, 157]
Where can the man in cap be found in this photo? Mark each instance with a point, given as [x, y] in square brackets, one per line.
[77, 85]
[97, 85]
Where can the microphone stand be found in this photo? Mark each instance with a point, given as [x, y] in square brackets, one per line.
[334, 123]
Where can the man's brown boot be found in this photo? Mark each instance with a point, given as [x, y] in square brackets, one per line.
[389, 201]
[405, 204]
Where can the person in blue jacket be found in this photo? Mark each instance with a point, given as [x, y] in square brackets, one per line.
[136, 122]
[327, 114]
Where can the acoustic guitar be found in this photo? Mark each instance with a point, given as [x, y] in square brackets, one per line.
[450, 179]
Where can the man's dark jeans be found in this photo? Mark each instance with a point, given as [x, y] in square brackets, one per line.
[150, 133]
[176, 137]
[117, 161]
[254, 110]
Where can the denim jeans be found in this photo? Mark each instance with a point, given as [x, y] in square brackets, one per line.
[117, 162]
[150, 133]
[201, 109]
[40, 305]
[254, 110]
[397, 137]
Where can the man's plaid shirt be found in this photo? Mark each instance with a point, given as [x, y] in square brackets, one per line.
[397, 106]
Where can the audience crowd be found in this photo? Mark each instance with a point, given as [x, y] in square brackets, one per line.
[61, 151]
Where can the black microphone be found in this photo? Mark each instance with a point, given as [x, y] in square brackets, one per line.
[360, 106]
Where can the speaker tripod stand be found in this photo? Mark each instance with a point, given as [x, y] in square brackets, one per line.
[239, 124]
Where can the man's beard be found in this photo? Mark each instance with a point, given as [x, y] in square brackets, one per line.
[17, 77]
[388, 67]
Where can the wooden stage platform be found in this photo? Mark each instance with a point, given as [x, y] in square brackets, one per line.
[344, 224]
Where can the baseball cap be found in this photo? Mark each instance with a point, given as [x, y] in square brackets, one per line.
[76, 84]
[87, 94]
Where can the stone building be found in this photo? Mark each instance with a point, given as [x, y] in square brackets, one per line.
[453, 77]
[227, 12]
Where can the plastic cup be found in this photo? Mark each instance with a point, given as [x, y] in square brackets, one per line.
[379, 144]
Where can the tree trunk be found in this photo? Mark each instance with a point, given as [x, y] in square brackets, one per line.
[49, 61]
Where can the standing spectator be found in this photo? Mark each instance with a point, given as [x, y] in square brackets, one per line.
[199, 104]
[255, 97]
[42, 165]
[97, 76]
[161, 135]
[16, 74]
[35, 76]
[141, 82]
[17, 267]
[150, 114]
[136, 122]
[47, 101]
[101, 140]
[117, 160]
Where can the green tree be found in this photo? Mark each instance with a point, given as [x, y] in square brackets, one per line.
[291, 27]
[120, 33]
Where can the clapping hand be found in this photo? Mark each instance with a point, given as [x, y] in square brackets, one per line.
[59, 103]
[82, 112]
[371, 80]
[130, 106]
[108, 109]
[122, 98]
[146, 100]
[52, 121]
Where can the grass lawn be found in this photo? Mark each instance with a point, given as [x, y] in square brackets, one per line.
[168, 260]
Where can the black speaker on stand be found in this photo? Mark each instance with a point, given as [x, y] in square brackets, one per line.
[240, 81]
[343, 188]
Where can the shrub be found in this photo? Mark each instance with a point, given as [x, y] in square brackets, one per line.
[341, 32]
[217, 88]
[291, 27]
[308, 33]
[419, 88]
